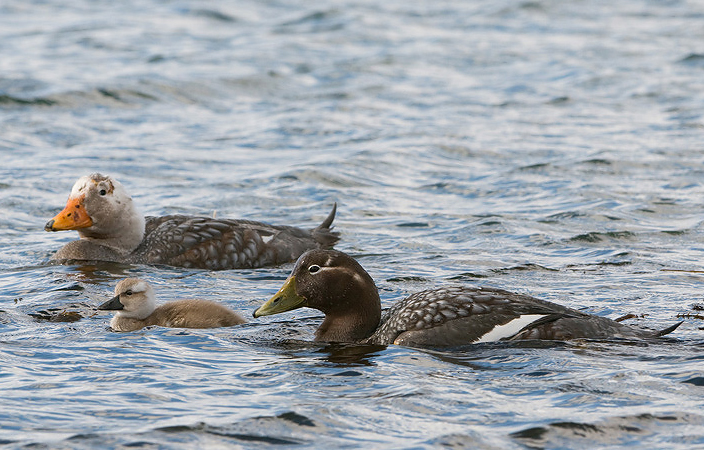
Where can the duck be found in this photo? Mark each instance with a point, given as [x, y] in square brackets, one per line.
[111, 229]
[337, 285]
[136, 308]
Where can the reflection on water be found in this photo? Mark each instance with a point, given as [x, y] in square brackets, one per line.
[351, 355]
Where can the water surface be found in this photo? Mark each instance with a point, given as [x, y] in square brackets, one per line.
[544, 147]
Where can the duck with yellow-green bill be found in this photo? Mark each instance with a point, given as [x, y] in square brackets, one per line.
[336, 284]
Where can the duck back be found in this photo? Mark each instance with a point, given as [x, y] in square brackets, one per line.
[217, 244]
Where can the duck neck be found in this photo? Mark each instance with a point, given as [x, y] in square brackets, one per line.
[351, 324]
[123, 237]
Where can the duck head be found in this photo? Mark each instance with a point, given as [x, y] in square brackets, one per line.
[99, 208]
[336, 284]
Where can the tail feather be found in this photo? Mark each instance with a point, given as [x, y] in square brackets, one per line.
[328, 220]
[323, 233]
[668, 330]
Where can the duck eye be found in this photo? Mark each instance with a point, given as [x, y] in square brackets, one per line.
[128, 292]
[103, 192]
[314, 268]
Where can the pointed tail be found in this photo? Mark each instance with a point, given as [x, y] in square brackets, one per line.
[668, 330]
[323, 233]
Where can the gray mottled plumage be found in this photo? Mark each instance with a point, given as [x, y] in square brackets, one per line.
[113, 230]
[336, 284]
[206, 243]
[455, 315]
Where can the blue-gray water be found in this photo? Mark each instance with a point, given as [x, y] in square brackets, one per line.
[546, 147]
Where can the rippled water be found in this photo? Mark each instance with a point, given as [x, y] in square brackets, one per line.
[550, 148]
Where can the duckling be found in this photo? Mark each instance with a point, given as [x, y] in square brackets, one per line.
[334, 283]
[112, 229]
[136, 308]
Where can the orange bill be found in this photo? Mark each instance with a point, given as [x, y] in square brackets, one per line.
[73, 217]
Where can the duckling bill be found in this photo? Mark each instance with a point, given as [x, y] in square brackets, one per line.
[337, 285]
[135, 306]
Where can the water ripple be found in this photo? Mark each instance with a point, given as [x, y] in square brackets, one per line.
[548, 148]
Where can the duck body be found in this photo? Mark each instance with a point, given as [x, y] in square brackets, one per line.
[336, 284]
[461, 315]
[136, 308]
[111, 229]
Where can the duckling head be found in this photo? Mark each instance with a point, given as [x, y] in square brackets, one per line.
[134, 299]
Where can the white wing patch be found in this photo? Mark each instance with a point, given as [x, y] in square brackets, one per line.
[509, 329]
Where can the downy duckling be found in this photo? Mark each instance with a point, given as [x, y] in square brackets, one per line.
[136, 308]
